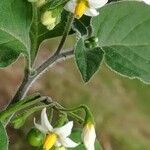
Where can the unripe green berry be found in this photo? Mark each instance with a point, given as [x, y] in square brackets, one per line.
[35, 137]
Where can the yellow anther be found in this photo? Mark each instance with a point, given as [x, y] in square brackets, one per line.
[81, 8]
[49, 141]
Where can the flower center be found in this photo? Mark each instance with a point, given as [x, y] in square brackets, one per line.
[50, 141]
[81, 7]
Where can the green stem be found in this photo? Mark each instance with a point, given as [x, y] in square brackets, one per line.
[30, 111]
[61, 108]
[69, 110]
[28, 80]
[65, 34]
[19, 103]
[88, 114]
[21, 92]
[25, 100]
[17, 107]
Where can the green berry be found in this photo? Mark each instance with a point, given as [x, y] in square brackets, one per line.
[35, 137]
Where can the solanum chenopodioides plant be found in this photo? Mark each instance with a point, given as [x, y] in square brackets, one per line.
[115, 33]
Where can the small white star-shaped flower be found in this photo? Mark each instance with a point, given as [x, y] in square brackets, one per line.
[147, 1]
[55, 136]
[87, 7]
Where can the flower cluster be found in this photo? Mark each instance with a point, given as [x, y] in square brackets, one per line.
[55, 136]
[58, 137]
[77, 7]
[50, 18]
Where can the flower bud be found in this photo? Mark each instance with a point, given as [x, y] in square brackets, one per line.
[89, 134]
[48, 20]
[91, 42]
[51, 18]
[35, 137]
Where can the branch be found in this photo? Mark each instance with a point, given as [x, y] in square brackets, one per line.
[51, 60]
[65, 34]
[28, 81]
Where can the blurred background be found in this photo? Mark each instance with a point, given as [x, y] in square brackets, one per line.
[121, 106]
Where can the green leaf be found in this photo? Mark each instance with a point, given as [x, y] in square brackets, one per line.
[123, 29]
[3, 138]
[52, 4]
[15, 20]
[76, 136]
[88, 60]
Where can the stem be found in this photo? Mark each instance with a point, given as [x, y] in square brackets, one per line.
[52, 60]
[26, 100]
[21, 90]
[59, 107]
[29, 80]
[65, 34]
[11, 110]
[57, 54]
[20, 119]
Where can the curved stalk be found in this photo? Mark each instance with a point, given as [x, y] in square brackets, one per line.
[28, 79]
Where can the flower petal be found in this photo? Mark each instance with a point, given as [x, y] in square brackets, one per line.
[70, 6]
[68, 143]
[97, 3]
[57, 144]
[147, 1]
[65, 130]
[91, 12]
[40, 127]
[89, 136]
[44, 120]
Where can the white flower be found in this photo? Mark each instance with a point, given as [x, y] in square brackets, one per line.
[147, 1]
[55, 136]
[87, 7]
[89, 136]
